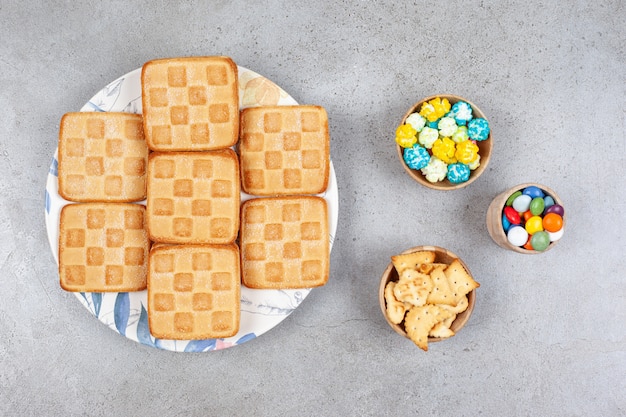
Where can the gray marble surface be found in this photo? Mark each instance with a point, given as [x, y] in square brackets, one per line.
[547, 333]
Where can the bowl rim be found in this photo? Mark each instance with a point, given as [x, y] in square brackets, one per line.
[446, 185]
[461, 318]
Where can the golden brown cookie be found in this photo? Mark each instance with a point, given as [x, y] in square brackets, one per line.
[194, 291]
[284, 242]
[102, 157]
[284, 150]
[103, 247]
[190, 103]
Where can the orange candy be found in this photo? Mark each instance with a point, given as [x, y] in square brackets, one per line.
[527, 245]
[552, 222]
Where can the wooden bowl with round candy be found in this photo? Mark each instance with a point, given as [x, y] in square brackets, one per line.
[444, 142]
[528, 218]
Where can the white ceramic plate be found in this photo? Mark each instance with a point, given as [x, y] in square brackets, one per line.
[125, 312]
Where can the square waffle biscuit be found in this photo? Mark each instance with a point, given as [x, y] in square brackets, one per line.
[284, 150]
[103, 247]
[284, 242]
[102, 157]
[194, 291]
[190, 103]
[193, 197]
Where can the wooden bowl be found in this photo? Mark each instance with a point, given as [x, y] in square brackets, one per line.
[484, 148]
[441, 256]
[494, 218]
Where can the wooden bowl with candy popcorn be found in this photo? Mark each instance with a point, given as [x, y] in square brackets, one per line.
[427, 294]
[528, 218]
[444, 142]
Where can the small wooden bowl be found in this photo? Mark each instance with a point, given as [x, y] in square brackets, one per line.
[484, 148]
[494, 218]
[441, 256]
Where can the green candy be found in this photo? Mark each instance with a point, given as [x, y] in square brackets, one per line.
[540, 241]
[536, 206]
[509, 201]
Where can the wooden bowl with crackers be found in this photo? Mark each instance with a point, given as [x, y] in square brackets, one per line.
[477, 166]
[427, 294]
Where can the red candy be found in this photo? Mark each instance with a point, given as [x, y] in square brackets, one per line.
[512, 215]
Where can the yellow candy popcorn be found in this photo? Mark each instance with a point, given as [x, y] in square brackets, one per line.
[435, 109]
[466, 151]
[444, 149]
[406, 136]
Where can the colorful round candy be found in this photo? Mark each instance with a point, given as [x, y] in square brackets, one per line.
[416, 157]
[506, 224]
[556, 208]
[554, 236]
[534, 225]
[540, 241]
[533, 191]
[536, 206]
[552, 222]
[478, 129]
[548, 201]
[512, 215]
[512, 197]
[521, 203]
[517, 236]
[458, 173]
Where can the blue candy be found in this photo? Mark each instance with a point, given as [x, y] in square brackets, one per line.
[416, 157]
[548, 201]
[458, 173]
[506, 224]
[533, 192]
[462, 113]
[478, 129]
[434, 124]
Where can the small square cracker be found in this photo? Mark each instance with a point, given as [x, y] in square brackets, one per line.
[411, 260]
[461, 282]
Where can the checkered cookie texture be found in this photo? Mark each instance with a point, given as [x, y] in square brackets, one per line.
[193, 197]
[103, 247]
[194, 291]
[284, 150]
[190, 103]
[284, 242]
[102, 157]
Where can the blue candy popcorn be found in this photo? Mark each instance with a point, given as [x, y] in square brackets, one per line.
[416, 157]
[478, 129]
[458, 173]
[462, 112]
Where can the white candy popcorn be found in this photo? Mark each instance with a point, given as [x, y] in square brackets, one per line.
[436, 170]
[417, 121]
[447, 126]
[427, 137]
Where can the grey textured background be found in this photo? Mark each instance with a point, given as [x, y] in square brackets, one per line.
[547, 333]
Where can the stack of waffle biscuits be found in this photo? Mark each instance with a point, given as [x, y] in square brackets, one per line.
[183, 245]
